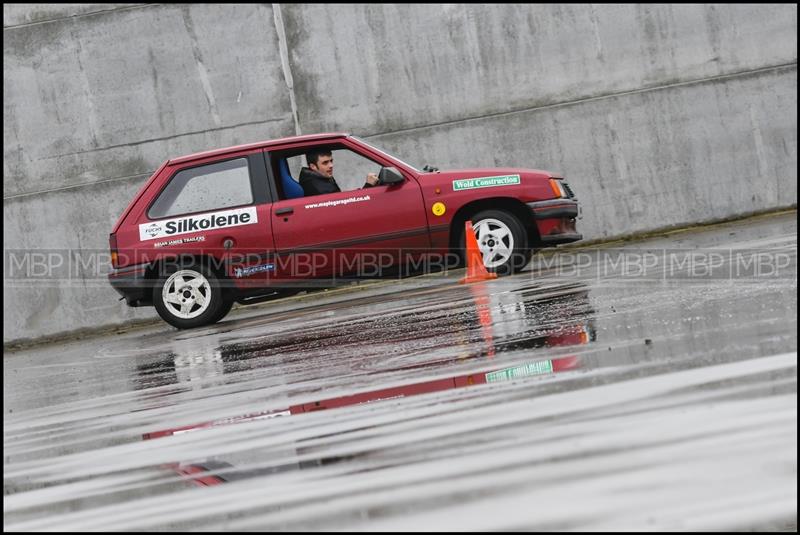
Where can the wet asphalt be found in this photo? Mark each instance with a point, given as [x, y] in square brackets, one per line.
[648, 385]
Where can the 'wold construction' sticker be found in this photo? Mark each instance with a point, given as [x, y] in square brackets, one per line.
[485, 182]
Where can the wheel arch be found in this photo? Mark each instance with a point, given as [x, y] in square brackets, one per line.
[154, 270]
[508, 204]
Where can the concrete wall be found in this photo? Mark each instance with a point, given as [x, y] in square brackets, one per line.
[657, 114]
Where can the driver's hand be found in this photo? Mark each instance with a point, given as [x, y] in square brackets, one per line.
[372, 179]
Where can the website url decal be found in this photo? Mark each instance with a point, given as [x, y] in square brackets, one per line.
[338, 202]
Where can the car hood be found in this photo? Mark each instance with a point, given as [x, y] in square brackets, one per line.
[458, 174]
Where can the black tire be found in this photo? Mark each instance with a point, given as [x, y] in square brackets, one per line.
[185, 311]
[518, 243]
[227, 304]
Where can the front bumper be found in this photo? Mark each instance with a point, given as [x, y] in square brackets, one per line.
[554, 208]
[555, 220]
[132, 284]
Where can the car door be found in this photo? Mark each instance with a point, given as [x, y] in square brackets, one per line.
[217, 208]
[351, 232]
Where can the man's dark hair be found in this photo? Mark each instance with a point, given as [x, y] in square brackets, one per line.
[313, 156]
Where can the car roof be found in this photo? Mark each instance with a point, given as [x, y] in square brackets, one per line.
[264, 144]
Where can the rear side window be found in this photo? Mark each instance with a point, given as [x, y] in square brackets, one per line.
[209, 187]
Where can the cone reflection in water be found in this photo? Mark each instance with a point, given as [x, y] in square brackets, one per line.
[484, 309]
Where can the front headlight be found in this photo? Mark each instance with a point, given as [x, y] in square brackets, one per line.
[557, 188]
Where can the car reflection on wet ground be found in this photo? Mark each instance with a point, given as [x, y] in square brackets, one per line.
[577, 395]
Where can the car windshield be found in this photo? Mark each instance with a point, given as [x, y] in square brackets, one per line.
[376, 149]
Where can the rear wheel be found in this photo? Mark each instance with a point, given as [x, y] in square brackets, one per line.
[190, 295]
[502, 241]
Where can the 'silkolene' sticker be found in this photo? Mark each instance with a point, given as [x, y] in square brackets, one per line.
[196, 223]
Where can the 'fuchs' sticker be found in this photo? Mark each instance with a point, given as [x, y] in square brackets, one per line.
[485, 182]
[197, 223]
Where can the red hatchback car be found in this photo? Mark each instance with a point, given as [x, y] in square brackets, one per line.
[235, 225]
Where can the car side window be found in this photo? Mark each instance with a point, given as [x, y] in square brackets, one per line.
[351, 169]
[208, 187]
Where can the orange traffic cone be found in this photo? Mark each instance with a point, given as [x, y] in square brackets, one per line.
[476, 271]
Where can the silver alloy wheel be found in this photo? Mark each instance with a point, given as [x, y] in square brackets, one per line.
[495, 241]
[186, 294]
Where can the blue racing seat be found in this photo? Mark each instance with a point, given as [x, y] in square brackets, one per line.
[291, 189]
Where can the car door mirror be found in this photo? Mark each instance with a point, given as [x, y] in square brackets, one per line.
[390, 176]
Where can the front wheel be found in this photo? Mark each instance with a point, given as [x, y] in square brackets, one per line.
[190, 296]
[502, 241]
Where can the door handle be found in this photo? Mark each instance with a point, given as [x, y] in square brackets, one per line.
[284, 211]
